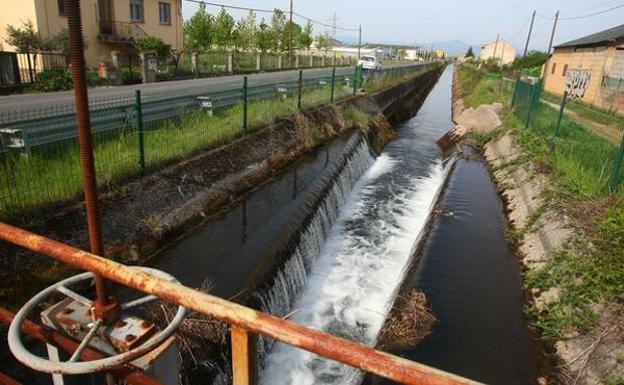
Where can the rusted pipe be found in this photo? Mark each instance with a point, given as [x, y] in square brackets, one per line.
[337, 349]
[51, 337]
[6, 380]
[83, 126]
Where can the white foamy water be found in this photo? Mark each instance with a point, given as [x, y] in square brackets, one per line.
[352, 284]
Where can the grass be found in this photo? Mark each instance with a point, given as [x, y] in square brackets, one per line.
[386, 79]
[588, 112]
[590, 269]
[52, 174]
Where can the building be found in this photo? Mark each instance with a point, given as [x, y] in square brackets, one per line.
[108, 25]
[501, 51]
[590, 69]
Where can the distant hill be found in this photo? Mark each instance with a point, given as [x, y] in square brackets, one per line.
[454, 47]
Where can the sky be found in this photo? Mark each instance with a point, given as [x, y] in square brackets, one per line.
[424, 21]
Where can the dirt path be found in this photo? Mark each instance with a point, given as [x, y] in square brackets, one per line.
[609, 132]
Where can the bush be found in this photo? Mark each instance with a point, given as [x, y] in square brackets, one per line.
[53, 80]
[130, 76]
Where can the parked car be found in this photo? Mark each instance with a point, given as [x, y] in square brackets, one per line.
[369, 63]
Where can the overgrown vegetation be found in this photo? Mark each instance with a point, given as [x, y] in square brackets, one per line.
[590, 269]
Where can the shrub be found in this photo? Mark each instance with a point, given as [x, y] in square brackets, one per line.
[53, 80]
[130, 76]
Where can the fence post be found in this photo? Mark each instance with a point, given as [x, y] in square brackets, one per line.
[230, 62]
[617, 165]
[333, 84]
[559, 119]
[535, 93]
[300, 90]
[355, 79]
[245, 104]
[258, 62]
[139, 126]
[244, 357]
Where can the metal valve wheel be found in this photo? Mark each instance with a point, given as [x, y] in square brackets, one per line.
[73, 366]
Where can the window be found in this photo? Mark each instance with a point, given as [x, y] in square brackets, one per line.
[164, 13]
[565, 70]
[554, 67]
[136, 10]
[61, 7]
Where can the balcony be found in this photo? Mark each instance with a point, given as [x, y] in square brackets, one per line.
[120, 32]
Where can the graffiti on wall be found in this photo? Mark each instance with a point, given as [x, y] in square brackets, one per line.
[577, 82]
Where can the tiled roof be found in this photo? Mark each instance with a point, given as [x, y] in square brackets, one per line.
[607, 36]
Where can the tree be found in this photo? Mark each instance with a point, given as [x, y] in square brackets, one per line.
[25, 38]
[278, 22]
[224, 29]
[199, 30]
[153, 46]
[305, 39]
[469, 53]
[263, 40]
[324, 41]
[533, 59]
[285, 39]
[246, 31]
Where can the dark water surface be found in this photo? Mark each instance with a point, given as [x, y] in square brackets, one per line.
[473, 282]
[226, 249]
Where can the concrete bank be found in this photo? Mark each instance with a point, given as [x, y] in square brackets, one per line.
[144, 216]
[540, 229]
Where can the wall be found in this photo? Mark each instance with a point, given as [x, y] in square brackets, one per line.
[45, 15]
[504, 51]
[13, 11]
[583, 75]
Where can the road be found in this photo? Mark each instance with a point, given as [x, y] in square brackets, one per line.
[21, 104]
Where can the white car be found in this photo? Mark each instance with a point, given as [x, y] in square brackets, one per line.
[369, 63]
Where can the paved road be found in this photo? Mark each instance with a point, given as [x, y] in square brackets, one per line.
[19, 104]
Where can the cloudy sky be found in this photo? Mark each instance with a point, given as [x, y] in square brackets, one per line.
[471, 21]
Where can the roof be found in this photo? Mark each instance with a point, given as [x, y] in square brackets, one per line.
[500, 41]
[607, 36]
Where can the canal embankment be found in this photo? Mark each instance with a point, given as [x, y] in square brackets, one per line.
[566, 227]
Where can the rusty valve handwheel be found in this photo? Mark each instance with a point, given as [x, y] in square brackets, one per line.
[73, 366]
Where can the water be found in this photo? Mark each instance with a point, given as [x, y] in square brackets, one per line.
[474, 285]
[228, 248]
[351, 286]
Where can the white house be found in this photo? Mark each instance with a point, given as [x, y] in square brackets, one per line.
[502, 51]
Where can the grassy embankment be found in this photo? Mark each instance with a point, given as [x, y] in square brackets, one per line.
[590, 269]
[53, 174]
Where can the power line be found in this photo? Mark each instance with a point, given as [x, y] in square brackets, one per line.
[241, 8]
[324, 24]
[584, 16]
[261, 10]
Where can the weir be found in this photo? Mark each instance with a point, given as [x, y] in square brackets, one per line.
[344, 274]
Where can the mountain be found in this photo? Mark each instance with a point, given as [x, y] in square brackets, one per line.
[453, 47]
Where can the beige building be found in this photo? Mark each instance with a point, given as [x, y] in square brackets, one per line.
[590, 69]
[502, 51]
[107, 25]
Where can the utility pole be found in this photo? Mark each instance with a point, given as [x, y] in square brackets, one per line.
[552, 35]
[526, 46]
[550, 44]
[496, 46]
[290, 37]
[360, 43]
[334, 23]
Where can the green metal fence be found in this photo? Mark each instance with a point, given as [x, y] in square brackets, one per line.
[577, 145]
[39, 158]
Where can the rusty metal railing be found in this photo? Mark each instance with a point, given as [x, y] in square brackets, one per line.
[245, 322]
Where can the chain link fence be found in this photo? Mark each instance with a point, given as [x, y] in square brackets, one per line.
[39, 158]
[584, 139]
